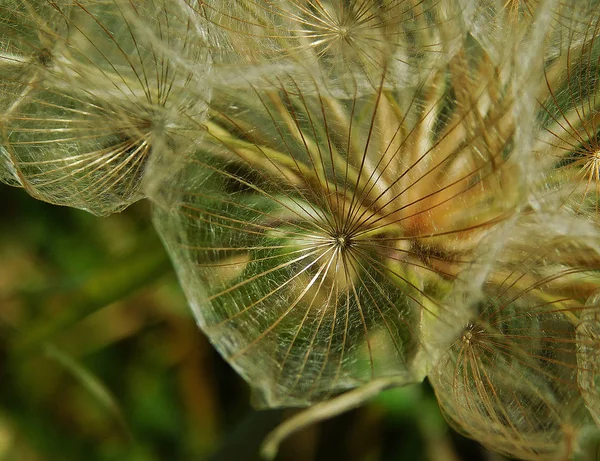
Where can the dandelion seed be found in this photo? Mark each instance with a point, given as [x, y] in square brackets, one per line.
[88, 93]
[347, 42]
[569, 146]
[341, 220]
[510, 380]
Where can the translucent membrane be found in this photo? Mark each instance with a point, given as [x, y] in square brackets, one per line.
[511, 379]
[568, 147]
[91, 96]
[347, 42]
[316, 236]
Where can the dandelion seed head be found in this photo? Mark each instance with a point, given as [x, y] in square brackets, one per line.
[91, 99]
[345, 43]
[352, 192]
[512, 378]
[568, 145]
[351, 217]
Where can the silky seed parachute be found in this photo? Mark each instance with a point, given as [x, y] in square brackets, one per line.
[91, 97]
[316, 235]
[345, 43]
[512, 377]
[568, 146]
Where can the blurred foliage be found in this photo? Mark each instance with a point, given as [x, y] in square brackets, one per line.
[100, 359]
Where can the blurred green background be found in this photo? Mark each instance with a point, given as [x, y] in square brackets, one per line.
[100, 359]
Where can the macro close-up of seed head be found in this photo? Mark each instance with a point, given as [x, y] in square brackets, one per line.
[355, 195]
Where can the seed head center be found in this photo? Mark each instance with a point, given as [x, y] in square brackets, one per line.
[342, 241]
[343, 32]
[467, 337]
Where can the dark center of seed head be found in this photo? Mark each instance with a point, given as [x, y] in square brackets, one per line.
[44, 57]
